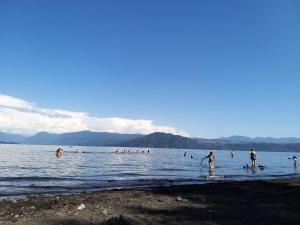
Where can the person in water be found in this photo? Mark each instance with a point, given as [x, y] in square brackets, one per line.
[253, 157]
[211, 159]
[294, 158]
[246, 166]
[232, 154]
[184, 154]
[59, 152]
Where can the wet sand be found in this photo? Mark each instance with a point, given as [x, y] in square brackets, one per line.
[234, 203]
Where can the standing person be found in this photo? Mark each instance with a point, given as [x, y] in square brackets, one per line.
[253, 157]
[294, 158]
[211, 159]
[232, 154]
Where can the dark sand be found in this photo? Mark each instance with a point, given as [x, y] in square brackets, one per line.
[257, 202]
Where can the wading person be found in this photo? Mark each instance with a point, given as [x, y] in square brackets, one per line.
[59, 152]
[211, 159]
[294, 158]
[253, 157]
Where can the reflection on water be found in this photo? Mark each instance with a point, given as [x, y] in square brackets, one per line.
[36, 169]
[211, 171]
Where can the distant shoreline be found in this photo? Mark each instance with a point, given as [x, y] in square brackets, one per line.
[8, 143]
[105, 146]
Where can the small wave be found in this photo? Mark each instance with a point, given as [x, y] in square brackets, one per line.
[170, 169]
[35, 178]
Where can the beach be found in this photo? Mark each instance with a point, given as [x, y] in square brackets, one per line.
[225, 203]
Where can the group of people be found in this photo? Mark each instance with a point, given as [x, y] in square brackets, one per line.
[132, 152]
[211, 159]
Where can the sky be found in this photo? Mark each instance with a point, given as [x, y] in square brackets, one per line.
[196, 68]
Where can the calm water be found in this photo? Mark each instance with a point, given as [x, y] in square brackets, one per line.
[26, 169]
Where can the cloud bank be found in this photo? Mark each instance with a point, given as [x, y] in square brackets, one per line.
[20, 116]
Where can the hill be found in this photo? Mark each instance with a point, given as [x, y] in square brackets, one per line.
[82, 138]
[161, 140]
[11, 138]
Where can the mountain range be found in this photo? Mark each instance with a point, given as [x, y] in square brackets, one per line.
[154, 140]
[82, 138]
[243, 139]
[11, 138]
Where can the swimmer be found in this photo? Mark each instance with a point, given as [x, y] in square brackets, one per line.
[253, 157]
[59, 152]
[211, 159]
[184, 154]
[192, 157]
[262, 167]
[246, 166]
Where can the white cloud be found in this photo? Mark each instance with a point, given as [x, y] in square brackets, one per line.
[19, 116]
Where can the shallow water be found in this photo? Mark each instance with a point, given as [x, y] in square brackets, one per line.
[26, 169]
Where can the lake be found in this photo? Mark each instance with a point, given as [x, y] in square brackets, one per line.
[26, 169]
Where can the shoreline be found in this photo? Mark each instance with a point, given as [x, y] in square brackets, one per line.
[214, 179]
[234, 202]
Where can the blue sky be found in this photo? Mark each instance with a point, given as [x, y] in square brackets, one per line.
[209, 68]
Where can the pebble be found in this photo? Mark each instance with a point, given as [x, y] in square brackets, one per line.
[81, 207]
[179, 199]
[17, 216]
[104, 212]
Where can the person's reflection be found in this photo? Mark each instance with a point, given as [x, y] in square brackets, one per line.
[251, 169]
[211, 171]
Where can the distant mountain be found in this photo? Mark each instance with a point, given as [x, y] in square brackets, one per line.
[236, 139]
[270, 140]
[42, 138]
[11, 138]
[161, 140]
[82, 138]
